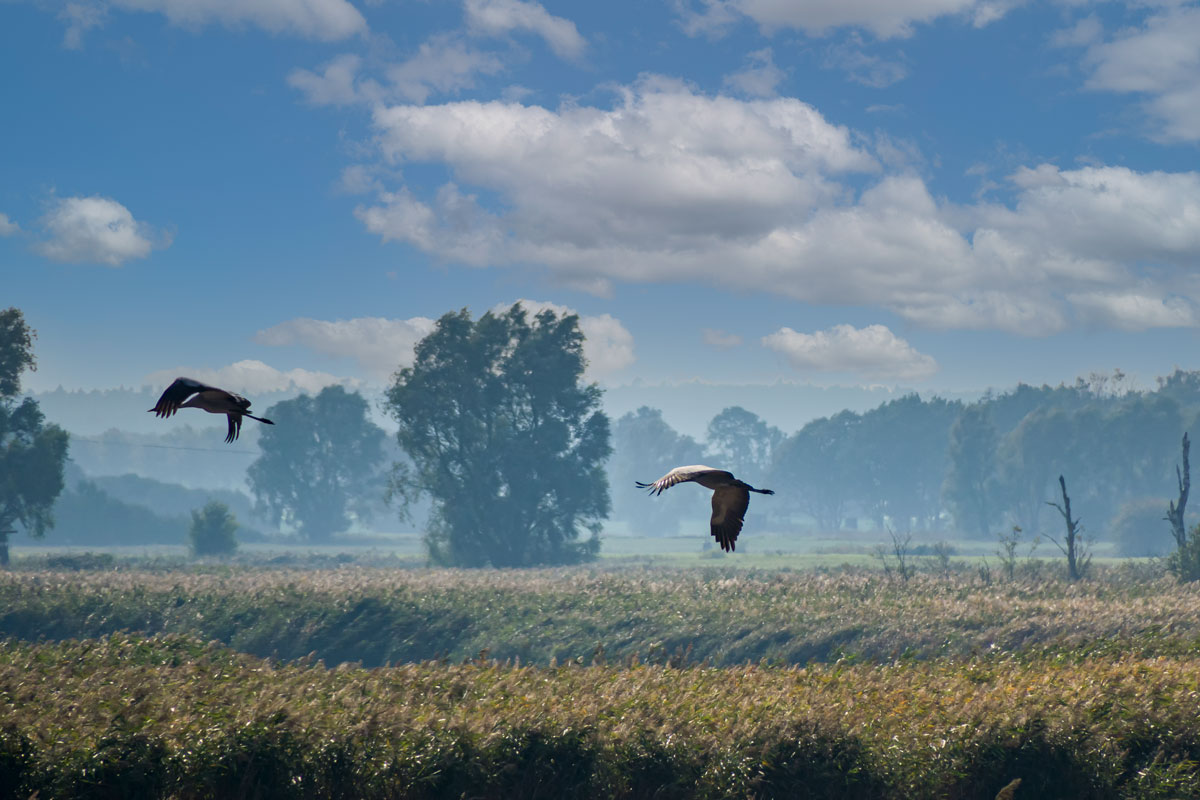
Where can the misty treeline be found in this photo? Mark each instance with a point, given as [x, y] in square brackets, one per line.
[975, 469]
[504, 458]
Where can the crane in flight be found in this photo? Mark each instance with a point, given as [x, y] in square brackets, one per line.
[730, 499]
[188, 393]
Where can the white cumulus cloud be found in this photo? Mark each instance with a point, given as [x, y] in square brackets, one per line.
[378, 344]
[667, 172]
[251, 377]
[873, 352]
[673, 186]
[96, 229]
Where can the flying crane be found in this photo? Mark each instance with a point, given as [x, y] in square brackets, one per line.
[188, 393]
[730, 499]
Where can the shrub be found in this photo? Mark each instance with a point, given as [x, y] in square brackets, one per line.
[213, 529]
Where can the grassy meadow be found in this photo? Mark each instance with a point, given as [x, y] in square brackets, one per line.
[602, 681]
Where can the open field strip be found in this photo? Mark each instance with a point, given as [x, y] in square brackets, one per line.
[724, 617]
[594, 682]
[173, 717]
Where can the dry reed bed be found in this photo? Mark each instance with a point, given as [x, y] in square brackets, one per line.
[179, 718]
[390, 616]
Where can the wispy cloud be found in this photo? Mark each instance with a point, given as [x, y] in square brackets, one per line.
[852, 57]
[885, 19]
[443, 64]
[79, 19]
[379, 345]
[501, 17]
[720, 339]
[1161, 60]
[252, 377]
[325, 20]
[8, 227]
[760, 77]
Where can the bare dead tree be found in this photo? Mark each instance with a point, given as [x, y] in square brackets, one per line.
[1072, 545]
[1175, 509]
[899, 549]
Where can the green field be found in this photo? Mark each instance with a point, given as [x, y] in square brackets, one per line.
[602, 681]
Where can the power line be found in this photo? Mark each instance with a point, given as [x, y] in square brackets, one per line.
[139, 444]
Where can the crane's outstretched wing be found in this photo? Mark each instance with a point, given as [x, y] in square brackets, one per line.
[235, 427]
[681, 475]
[178, 393]
[729, 504]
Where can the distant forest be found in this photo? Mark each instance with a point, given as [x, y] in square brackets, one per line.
[967, 469]
[910, 464]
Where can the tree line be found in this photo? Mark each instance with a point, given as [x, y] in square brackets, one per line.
[502, 443]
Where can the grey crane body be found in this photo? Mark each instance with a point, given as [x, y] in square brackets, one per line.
[189, 393]
[730, 500]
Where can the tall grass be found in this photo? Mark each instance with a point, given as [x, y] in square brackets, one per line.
[172, 717]
[723, 618]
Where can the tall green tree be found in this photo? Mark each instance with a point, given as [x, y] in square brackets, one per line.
[903, 448]
[321, 463]
[821, 465]
[742, 442]
[968, 486]
[32, 452]
[645, 446]
[506, 439]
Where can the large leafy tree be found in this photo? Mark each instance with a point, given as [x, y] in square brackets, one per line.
[742, 442]
[903, 445]
[969, 487]
[321, 462]
[645, 446]
[32, 453]
[506, 439]
[821, 465]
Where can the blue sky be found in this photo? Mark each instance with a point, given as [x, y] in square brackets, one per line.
[944, 195]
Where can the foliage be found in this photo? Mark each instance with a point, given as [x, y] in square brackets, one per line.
[16, 351]
[902, 477]
[742, 443]
[967, 488]
[505, 438]
[1184, 562]
[822, 464]
[320, 462]
[213, 530]
[175, 717]
[32, 453]
[644, 448]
